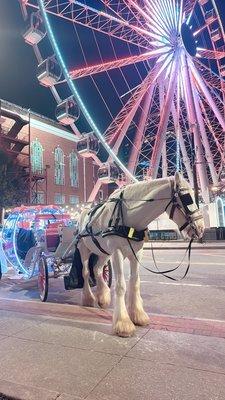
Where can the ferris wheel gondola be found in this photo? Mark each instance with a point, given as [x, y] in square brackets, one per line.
[36, 30]
[67, 112]
[141, 69]
[49, 72]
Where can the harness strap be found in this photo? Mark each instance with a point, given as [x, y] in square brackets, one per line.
[95, 241]
[124, 232]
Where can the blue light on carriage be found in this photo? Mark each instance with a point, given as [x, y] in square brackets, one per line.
[21, 267]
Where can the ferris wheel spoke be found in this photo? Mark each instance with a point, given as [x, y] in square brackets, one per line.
[211, 54]
[207, 95]
[158, 25]
[211, 79]
[101, 21]
[217, 135]
[94, 192]
[205, 142]
[133, 103]
[142, 11]
[125, 11]
[140, 131]
[185, 157]
[157, 10]
[189, 7]
[195, 127]
[161, 132]
[118, 63]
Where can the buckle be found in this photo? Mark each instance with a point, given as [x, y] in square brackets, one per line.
[130, 233]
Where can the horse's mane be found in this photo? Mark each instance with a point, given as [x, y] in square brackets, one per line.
[140, 187]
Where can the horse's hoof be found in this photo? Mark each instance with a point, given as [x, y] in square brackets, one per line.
[104, 299]
[139, 318]
[88, 302]
[124, 328]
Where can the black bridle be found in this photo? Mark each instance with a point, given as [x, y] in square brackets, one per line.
[186, 200]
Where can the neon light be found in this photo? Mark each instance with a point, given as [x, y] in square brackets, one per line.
[76, 94]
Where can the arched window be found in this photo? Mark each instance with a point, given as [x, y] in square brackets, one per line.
[73, 169]
[59, 167]
[37, 157]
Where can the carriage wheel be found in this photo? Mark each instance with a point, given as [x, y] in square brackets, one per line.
[107, 273]
[43, 279]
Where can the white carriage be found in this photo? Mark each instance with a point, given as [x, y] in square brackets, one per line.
[40, 241]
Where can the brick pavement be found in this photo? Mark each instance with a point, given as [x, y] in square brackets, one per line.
[196, 326]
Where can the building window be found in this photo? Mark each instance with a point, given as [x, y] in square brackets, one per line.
[36, 157]
[60, 198]
[38, 198]
[74, 199]
[59, 167]
[73, 169]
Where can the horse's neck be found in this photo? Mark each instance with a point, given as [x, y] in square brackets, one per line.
[139, 214]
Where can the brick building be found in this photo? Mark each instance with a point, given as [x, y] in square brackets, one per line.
[57, 174]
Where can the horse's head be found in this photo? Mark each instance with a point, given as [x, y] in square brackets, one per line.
[183, 209]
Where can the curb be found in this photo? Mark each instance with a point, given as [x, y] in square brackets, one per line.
[184, 248]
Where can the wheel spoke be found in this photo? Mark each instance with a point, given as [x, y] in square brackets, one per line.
[126, 12]
[194, 127]
[189, 7]
[133, 103]
[211, 79]
[119, 63]
[207, 94]
[140, 131]
[98, 20]
[185, 157]
[161, 133]
[211, 54]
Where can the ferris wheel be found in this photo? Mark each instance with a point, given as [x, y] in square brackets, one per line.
[145, 79]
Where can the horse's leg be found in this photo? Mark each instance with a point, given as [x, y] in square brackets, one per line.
[103, 293]
[88, 299]
[135, 302]
[122, 325]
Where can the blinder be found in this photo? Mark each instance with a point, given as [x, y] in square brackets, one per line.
[186, 201]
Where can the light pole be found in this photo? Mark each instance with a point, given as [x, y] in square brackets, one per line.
[46, 182]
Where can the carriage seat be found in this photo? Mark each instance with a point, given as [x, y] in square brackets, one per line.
[25, 240]
[52, 236]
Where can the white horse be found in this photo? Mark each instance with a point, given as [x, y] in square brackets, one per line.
[140, 204]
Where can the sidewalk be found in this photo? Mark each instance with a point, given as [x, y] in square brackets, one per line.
[178, 244]
[66, 352]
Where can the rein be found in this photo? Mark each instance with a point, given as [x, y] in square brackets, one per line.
[158, 272]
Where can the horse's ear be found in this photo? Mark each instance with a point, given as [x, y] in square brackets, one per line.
[177, 178]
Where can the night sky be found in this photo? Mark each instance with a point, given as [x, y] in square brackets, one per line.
[18, 82]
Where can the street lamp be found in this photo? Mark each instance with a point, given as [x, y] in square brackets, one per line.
[46, 182]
